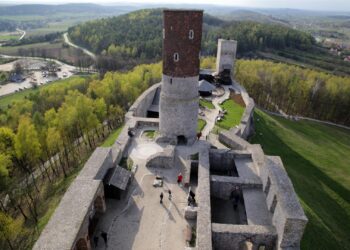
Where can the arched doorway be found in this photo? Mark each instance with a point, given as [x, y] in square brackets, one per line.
[181, 140]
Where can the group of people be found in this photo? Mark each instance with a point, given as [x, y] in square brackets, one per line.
[161, 196]
[191, 201]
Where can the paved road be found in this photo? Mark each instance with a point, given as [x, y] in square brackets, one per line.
[89, 53]
[23, 33]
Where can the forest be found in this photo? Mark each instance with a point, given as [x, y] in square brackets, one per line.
[136, 37]
[49, 134]
[296, 91]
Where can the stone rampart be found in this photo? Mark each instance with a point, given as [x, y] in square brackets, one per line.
[143, 102]
[233, 237]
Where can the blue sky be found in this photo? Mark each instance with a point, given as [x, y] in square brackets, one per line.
[341, 5]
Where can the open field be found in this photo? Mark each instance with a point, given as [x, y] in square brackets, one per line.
[233, 115]
[316, 158]
[57, 50]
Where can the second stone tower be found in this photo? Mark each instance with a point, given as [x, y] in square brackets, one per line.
[182, 34]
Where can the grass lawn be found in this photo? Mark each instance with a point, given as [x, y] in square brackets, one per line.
[112, 137]
[317, 159]
[150, 134]
[200, 125]
[233, 115]
[207, 104]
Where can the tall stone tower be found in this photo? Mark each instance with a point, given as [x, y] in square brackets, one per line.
[225, 59]
[182, 35]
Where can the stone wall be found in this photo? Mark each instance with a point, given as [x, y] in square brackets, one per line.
[287, 214]
[204, 233]
[143, 102]
[222, 186]
[69, 224]
[233, 237]
[164, 159]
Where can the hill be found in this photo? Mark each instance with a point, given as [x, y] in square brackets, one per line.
[137, 35]
[48, 9]
[316, 158]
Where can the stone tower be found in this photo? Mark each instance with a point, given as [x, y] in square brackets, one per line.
[225, 59]
[182, 34]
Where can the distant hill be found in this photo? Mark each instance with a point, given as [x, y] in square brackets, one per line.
[138, 35]
[45, 9]
[249, 15]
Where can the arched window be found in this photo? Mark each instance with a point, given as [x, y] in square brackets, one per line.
[176, 57]
[191, 34]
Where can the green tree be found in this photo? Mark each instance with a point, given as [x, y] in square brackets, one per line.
[27, 145]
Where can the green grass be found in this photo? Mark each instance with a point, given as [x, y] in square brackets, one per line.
[317, 160]
[207, 104]
[17, 96]
[200, 125]
[233, 115]
[150, 134]
[8, 37]
[112, 137]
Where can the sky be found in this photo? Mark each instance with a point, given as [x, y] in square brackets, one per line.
[341, 5]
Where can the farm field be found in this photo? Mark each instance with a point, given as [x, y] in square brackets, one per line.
[57, 50]
[316, 158]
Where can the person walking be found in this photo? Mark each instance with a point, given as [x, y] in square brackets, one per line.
[161, 197]
[199, 135]
[104, 237]
[96, 241]
[179, 179]
[170, 195]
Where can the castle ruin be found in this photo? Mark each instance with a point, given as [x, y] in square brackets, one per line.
[244, 199]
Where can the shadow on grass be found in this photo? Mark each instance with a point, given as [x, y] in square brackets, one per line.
[325, 201]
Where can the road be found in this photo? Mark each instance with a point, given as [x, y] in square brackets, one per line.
[23, 33]
[87, 52]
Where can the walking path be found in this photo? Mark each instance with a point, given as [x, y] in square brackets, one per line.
[212, 114]
[86, 51]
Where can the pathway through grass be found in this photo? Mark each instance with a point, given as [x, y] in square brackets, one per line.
[317, 159]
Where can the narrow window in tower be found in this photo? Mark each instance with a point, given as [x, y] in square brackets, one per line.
[171, 80]
[176, 57]
[191, 34]
[163, 33]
